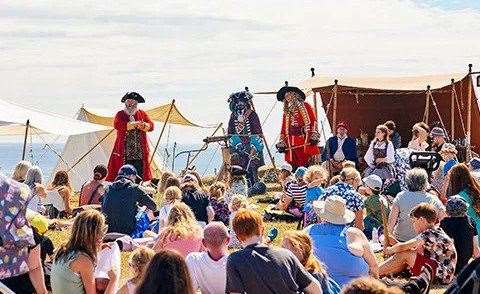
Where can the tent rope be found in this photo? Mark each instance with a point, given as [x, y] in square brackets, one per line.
[439, 116]
[269, 113]
[211, 159]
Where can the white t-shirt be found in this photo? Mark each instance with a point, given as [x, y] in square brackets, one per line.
[163, 213]
[207, 275]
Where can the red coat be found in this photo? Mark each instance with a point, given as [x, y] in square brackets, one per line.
[117, 157]
[296, 135]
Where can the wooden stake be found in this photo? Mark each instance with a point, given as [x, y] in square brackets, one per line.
[426, 114]
[161, 132]
[452, 112]
[27, 125]
[469, 113]
[334, 115]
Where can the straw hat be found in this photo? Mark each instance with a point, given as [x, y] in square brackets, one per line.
[334, 210]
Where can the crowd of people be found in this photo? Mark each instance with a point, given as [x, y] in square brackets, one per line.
[213, 239]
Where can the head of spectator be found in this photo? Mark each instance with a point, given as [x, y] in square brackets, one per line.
[34, 177]
[189, 182]
[391, 127]
[335, 179]
[462, 181]
[139, 260]
[316, 175]
[215, 239]
[167, 272]
[285, 171]
[368, 285]
[20, 171]
[342, 129]
[163, 181]
[198, 178]
[237, 202]
[420, 131]
[416, 180]
[351, 176]
[300, 244]
[100, 172]
[299, 173]
[348, 163]
[172, 195]
[373, 184]
[438, 136]
[129, 172]
[456, 206]
[334, 210]
[61, 179]
[248, 226]
[217, 190]
[423, 216]
[172, 181]
[381, 133]
[474, 164]
[448, 151]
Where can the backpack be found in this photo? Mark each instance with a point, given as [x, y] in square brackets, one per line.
[468, 280]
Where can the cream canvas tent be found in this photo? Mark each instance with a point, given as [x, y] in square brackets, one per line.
[78, 146]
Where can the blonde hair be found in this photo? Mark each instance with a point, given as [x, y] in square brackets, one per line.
[217, 190]
[163, 181]
[172, 193]
[181, 222]
[87, 228]
[349, 173]
[315, 170]
[302, 243]
[237, 202]
[348, 163]
[20, 171]
[140, 259]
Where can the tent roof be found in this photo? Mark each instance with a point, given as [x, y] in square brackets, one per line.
[16, 116]
[400, 83]
[159, 113]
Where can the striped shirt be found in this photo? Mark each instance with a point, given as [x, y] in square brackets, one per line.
[298, 191]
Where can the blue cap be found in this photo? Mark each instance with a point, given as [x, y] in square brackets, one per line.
[475, 163]
[300, 172]
[127, 170]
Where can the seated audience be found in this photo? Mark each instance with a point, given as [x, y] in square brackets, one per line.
[399, 221]
[463, 184]
[393, 135]
[260, 268]
[74, 264]
[172, 196]
[346, 188]
[316, 178]
[431, 246]
[419, 137]
[218, 203]
[337, 244]
[172, 181]
[196, 199]
[376, 205]
[18, 271]
[20, 171]
[167, 272]
[238, 202]
[208, 269]
[34, 181]
[438, 139]
[458, 227]
[474, 165]
[449, 159]
[368, 285]
[380, 155]
[296, 193]
[59, 193]
[300, 244]
[182, 232]
[163, 181]
[138, 263]
[121, 200]
[237, 182]
[93, 190]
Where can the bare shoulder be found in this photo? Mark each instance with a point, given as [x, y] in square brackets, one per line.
[356, 233]
[81, 263]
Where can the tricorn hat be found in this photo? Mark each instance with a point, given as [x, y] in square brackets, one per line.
[133, 95]
[284, 90]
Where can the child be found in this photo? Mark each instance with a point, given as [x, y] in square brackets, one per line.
[460, 229]
[297, 193]
[172, 195]
[218, 204]
[138, 263]
[432, 246]
[372, 185]
[238, 183]
[315, 177]
[237, 202]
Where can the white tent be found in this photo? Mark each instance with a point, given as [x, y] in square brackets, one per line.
[81, 169]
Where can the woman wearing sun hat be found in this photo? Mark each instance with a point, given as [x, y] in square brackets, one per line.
[344, 249]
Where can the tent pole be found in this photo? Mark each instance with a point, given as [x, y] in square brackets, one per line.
[426, 114]
[90, 150]
[452, 112]
[204, 145]
[334, 115]
[469, 113]
[163, 130]
[27, 125]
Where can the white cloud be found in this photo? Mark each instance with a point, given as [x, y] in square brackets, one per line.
[59, 55]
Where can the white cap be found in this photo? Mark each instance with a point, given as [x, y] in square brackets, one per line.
[374, 182]
[286, 167]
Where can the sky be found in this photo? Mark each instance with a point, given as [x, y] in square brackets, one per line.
[60, 55]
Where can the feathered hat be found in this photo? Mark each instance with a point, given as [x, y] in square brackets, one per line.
[134, 96]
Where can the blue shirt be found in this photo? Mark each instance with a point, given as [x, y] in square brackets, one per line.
[313, 193]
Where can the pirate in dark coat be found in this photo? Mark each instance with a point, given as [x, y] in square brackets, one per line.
[246, 145]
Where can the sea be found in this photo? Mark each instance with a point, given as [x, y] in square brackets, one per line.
[47, 155]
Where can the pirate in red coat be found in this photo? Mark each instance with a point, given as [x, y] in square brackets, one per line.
[131, 145]
[299, 134]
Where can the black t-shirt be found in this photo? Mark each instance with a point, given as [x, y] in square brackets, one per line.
[198, 203]
[263, 269]
[461, 230]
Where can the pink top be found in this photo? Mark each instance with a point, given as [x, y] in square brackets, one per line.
[182, 246]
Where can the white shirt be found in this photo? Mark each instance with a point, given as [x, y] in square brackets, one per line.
[163, 214]
[338, 155]
[207, 275]
[370, 159]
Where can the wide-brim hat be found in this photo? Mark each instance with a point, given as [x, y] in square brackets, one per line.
[284, 90]
[134, 96]
[334, 210]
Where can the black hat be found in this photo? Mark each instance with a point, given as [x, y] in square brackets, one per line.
[284, 90]
[133, 95]
[237, 170]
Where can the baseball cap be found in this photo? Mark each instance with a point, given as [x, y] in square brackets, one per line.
[300, 172]
[374, 182]
[127, 170]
